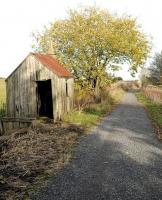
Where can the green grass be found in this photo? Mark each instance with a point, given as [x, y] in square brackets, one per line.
[81, 118]
[90, 115]
[154, 109]
[2, 90]
[2, 96]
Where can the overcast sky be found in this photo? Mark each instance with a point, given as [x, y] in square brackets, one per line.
[19, 18]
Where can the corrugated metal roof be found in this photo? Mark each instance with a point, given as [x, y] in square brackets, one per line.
[52, 64]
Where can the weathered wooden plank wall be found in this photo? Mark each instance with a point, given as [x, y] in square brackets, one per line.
[22, 95]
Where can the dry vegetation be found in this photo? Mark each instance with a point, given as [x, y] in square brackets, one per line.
[2, 90]
[97, 108]
[154, 93]
[30, 156]
[151, 97]
[2, 96]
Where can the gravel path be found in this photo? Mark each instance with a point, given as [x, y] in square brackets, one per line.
[120, 160]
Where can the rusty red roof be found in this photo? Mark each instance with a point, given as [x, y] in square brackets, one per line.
[52, 64]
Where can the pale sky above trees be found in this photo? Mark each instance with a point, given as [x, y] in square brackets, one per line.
[19, 18]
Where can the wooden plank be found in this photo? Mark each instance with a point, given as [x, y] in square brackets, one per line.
[23, 120]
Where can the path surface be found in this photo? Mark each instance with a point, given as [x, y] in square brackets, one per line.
[120, 160]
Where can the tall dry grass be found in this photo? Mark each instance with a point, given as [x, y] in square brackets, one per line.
[2, 97]
[154, 93]
[2, 109]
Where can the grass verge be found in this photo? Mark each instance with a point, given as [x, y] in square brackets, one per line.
[2, 97]
[90, 115]
[2, 90]
[154, 110]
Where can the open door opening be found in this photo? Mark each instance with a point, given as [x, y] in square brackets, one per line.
[44, 100]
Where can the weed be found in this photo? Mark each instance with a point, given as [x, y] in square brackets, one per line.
[154, 110]
[94, 111]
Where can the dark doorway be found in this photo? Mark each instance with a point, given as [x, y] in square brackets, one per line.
[45, 104]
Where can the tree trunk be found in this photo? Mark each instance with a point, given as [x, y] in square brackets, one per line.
[97, 89]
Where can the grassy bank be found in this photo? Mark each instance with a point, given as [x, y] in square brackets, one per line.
[154, 111]
[2, 90]
[2, 96]
[91, 114]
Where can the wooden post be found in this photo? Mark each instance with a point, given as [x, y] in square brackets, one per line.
[160, 80]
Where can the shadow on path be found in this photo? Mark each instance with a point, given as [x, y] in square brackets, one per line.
[120, 159]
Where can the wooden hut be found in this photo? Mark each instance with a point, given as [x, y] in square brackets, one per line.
[39, 86]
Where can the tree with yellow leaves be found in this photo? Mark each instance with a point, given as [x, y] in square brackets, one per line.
[89, 39]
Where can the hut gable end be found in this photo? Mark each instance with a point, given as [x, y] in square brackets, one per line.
[39, 86]
[49, 62]
[52, 64]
